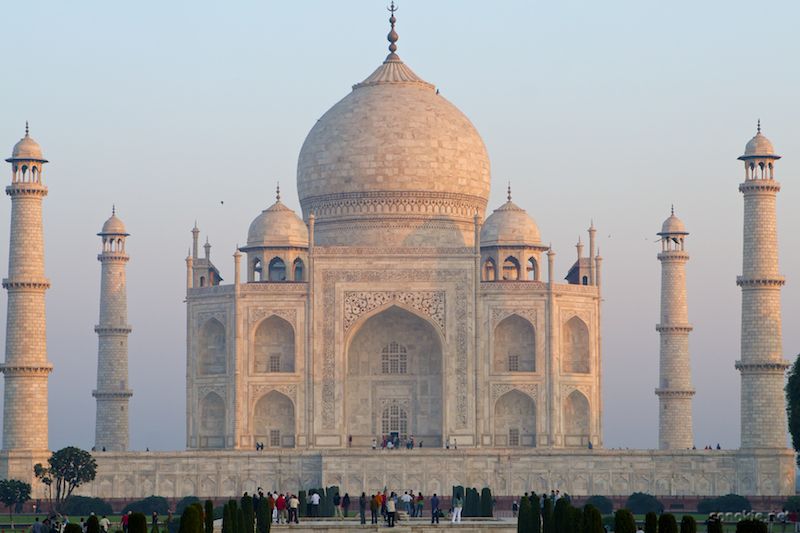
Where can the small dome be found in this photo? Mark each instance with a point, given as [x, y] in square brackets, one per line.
[113, 226]
[27, 150]
[673, 226]
[509, 225]
[277, 226]
[759, 146]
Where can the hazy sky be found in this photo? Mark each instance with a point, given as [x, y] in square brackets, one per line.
[605, 110]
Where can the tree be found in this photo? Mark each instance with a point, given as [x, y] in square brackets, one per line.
[93, 523]
[14, 492]
[730, 503]
[149, 505]
[137, 523]
[688, 524]
[248, 514]
[667, 523]
[547, 516]
[86, 505]
[263, 518]
[561, 516]
[641, 503]
[208, 516]
[536, 513]
[592, 519]
[651, 522]
[185, 502]
[525, 516]
[793, 404]
[487, 503]
[601, 503]
[624, 522]
[68, 469]
[190, 521]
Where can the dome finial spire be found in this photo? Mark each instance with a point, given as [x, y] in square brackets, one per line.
[509, 191]
[27, 131]
[392, 37]
[758, 128]
[672, 209]
[278, 192]
[113, 210]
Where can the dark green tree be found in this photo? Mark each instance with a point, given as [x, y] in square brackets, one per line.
[536, 513]
[601, 503]
[592, 519]
[86, 505]
[730, 503]
[561, 516]
[263, 516]
[240, 521]
[137, 523]
[190, 521]
[208, 517]
[66, 470]
[793, 404]
[688, 524]
[227, 521]
[574, 519]
[185, 502]
[487, 503]
[547, 516]
[525, 516]
[641, 503]
[667, 523]
[147, 506]
[651, 522]
[249, 514]
[93, 523]
[14, 492]
[624, 522]
[301, 496]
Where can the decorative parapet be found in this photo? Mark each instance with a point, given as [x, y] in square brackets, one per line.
[760, 283]
[26, 370]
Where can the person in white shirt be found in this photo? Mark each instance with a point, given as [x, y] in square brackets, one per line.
[315, 504]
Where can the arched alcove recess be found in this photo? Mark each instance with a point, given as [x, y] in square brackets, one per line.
[577, 417]
[277, 270]
[299, 269]
[212, 421]
[514, 345]
[511, 269]
[489, 270]
[515, 420]
[394, 357]
[575, 347]
[211, 348]
[274, 346]
[274, 421]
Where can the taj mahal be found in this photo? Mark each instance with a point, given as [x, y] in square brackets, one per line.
[399, 304]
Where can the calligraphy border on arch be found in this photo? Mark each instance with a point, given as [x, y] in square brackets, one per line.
[501, 313]
[429, 303]
[330, 278]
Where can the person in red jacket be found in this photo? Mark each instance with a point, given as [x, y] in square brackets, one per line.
[280, 503]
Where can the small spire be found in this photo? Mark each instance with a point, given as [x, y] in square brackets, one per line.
[195, 228]
[27, 130]
[113, 210]
[672, 210]
[392, 37]
[509, 191]
[278, 192]
[758, 128]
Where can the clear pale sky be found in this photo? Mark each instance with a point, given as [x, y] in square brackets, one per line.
[603, 110]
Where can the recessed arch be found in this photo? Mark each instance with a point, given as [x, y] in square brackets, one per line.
[515, 420]
[299, 270]
[514, 345]
[489, 270]
[575, 347]
[577, 419]
[511, 270]
[258, 271]
[274, 420]
[277, 269]
[532, 269]
[211, 354]
[274, 346]
[212, 421]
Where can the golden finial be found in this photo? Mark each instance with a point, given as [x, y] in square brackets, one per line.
[392, 37]
[278, 192]
[509, 191]
[758, 128]
[26, 129]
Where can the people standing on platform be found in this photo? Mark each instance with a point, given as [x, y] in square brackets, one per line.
[434, 509]
[458, 504]
[362, 508]
[337, 505]
[315, 504]
[374, 507]
[294, 506]
[346, 504]
[391, 510]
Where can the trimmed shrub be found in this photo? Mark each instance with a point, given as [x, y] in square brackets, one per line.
[301, 510]
[93, 524]
[688, 524]
[667, 523]
[651, 522]
[208, 517]
[472, 502]
[536, 513]
[601, 503]
[84, 505]
[547, 517]
[624, 522]
[240, 521]
[592, 519]
[561, 516]
[137, 523]
[730, 503]
[641, 503]
[190, 520]
[227, 520]
[72, 528]
[148, 506]
[574, 519]
[525, 517]
[248, 513]
[487, 504]
[185, 502]
[792, 504]
[263, 518]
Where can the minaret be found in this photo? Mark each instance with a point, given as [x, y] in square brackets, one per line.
[26, 367]
[112, 393]
[674, 390]
[762, 366]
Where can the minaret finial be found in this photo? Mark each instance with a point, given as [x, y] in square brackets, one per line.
[113, 210]
[392, 37]
[509, 191]
[758, 129]
[672, 209]
[27, 130]
[278, 192]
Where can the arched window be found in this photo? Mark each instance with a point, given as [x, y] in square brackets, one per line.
[585, 280]
[514, 345]
[395, 420]
[533, 270]
[274, 421]
[277, 270]
[211, 348]
[299, 269]
[576, 420]
[575, 346]
[274, 348]
[394, 359]
[257, 270]
[511, 269]
[212, 422]
[202, 281]
[489, 270]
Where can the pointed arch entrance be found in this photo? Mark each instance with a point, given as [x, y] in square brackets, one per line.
[394, 379]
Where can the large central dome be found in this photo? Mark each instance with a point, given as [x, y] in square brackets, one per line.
[393, 163]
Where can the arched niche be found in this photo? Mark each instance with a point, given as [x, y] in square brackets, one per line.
[394, 357]
[511, 270]
[274, 421]
[577, 419]
[211, 354]
[277, 269]
[515, 420]
[212, 421]
[299, 269]
[575, 347]
[274, 346]
[514, 345]
[489, 270]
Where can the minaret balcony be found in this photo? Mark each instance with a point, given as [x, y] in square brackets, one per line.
[760, 283]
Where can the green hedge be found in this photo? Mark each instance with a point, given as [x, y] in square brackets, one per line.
[642, 503]
[601, 503]
[84, 505]
[148, 506]
[730, 503]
